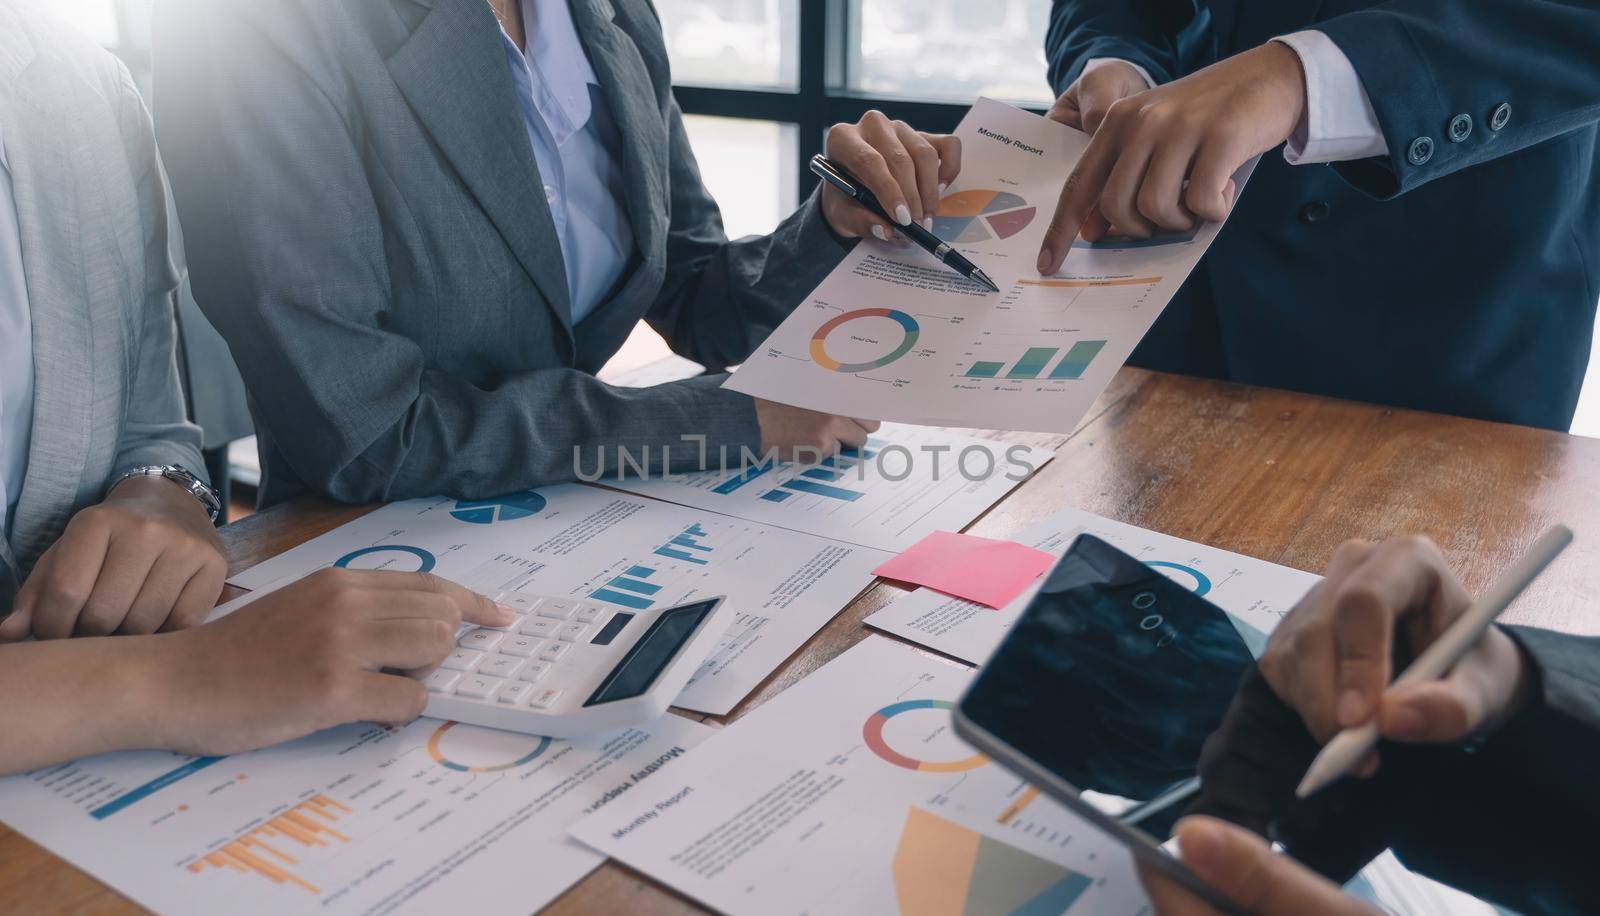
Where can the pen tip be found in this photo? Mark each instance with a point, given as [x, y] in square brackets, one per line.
[983, 278]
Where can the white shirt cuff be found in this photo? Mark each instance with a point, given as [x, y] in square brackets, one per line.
[1340, 124]
[1097, 62]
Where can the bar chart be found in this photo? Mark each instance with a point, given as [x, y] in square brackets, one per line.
[1031, 364]
[687, 547]
[273, 849]
[823, 479]
[630, 589]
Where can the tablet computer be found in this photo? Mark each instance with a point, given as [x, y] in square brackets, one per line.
[1133, 671]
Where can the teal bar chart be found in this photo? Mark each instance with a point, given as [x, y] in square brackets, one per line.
[1077, 360]
[985, 370]
[1032, 362]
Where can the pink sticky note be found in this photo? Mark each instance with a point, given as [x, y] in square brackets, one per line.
[978, 569]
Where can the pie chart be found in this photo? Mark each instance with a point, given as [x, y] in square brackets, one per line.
[981, 215]
[499, 509]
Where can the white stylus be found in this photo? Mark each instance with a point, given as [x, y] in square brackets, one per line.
[1349, 746]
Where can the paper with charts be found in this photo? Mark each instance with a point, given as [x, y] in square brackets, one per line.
[850, 793]
[1256, 594]
[892, 334]
[581, 541]
[907, 482]
[430, 817]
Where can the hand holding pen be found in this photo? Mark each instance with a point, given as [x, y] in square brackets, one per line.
[884, 179]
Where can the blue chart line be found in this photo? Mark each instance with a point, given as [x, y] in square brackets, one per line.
[425, 560]
[679, 547]
[775, 496]
[742, 478]
[152, 787]
[823, 473]
[822, 489]
[617, 590]
[1202, 584]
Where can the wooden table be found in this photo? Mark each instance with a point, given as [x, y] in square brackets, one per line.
[1276, 475]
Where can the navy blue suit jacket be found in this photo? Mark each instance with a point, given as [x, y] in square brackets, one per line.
[1458, 274]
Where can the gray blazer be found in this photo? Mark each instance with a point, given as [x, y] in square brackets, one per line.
[366, 228]
[92, 210]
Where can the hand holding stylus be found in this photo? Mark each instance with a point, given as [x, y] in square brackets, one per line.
[1331, 658]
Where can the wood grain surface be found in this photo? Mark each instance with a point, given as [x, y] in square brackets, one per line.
[1277, 475]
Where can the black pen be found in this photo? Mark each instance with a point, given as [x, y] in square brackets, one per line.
[833, 174]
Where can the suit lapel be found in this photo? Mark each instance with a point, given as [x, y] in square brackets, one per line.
[453, 72]
[627, 88]
[41, 152]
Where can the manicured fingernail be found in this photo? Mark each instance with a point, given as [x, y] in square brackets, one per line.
[927, 223]
[878, 233]
[1352, 708]
[902, 214]
[942, 186]
[1044, 260]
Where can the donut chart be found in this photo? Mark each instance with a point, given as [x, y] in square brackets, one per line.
[981, 215]
[1202, 583]
[437, 752]
[425, 560]
[909, 329]
[872, 734]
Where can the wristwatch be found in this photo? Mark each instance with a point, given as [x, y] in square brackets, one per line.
[209, 500]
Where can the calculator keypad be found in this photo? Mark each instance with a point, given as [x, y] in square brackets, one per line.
[522, 665]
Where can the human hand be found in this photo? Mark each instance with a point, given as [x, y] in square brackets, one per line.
[906, 169]
[1085, 103]
[314, 654]
[1163, 159]
[1331, 658]
[798, 434]
[147, 558]
[1241, 865]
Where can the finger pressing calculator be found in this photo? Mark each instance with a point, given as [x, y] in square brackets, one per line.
[568, 667]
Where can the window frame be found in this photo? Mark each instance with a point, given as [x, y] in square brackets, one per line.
[821, 97]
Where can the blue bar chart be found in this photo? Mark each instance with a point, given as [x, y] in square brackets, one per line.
[822, 479]
[629, 589]
[685, 546]
[1031, 364]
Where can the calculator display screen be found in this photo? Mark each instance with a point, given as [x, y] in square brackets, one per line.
[651, 654]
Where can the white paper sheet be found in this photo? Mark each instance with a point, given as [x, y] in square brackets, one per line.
[1255, 593]
[430, 817]
[573, 540]
[892, 334]
[807, 805]
[907, 482]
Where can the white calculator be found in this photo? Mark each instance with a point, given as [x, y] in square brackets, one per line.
[568, 667]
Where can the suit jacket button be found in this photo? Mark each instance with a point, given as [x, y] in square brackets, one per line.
[1501, 116]
[1460, 127]
[1421, 151]
[1314, 212]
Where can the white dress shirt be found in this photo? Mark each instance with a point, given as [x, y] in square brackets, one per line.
[1340, 124]
[577, 148]
[16, 353]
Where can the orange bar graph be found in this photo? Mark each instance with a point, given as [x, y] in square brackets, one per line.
[1085, 284]
[1024, 798]
[245, 853]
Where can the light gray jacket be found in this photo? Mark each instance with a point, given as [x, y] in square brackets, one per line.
[91, 207]
[366, 228]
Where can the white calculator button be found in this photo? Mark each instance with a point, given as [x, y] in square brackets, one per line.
[500, 666]
[588, 612]
[573, 632]
[546, 698]
[462, 659]
[522, 604]
[555, 650]
[540, 627]
[534, 670]
[521, 646]
[441, 680]
[557, 610]
[481, 639]
[477, 687]
[514, 692]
